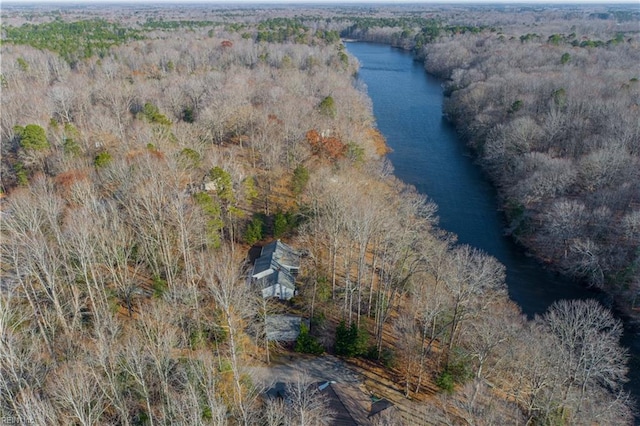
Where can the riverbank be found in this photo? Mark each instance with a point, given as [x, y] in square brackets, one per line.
[574, 220]
[524, 223]
[428, 154]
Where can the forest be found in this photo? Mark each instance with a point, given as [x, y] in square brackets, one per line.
[146, 151]
[550, 106]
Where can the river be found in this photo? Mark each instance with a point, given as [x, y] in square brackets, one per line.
[427, 153]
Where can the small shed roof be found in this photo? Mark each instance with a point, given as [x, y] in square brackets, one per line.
[283, 328]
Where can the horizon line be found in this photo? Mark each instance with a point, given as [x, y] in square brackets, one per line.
[323, 2]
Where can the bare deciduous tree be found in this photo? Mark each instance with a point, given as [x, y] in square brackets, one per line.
[223, 277]
[588, 353]
[78, 395]
[476, 280]
[308, 404]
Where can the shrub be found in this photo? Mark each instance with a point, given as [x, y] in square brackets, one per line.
[328, 107]
[355, 152]
[457, 371]
[71, 147]
[153, 115]
[280, 224]
[460, 370]
[306, 343]
[224, 184]
[190, 158]
[159, 286]
[445, 381]
[250, 190]
[323, 289]
[21, 174]
[351, 341]
[207, 413]
[102, 159]
[32, 137]
[213, 213]
[516, 106]
[71, 134]
[188, 115]
[24, 66]
[197, 339]
[254, 233]
[318, 319]
[386, 355]
[300, 179]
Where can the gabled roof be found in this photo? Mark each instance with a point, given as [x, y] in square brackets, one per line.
[278, 276]
[282, 254]
[280, 258]
[275, 267]
[347, 404]
[339, 412]
[264, 265]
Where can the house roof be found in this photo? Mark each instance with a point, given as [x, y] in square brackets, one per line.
[278, 390]
[277, 276]
[379, 406]
[275, 264]
[348, 404]
[281, 253]
[263, 265]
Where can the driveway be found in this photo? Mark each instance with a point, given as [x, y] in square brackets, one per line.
[322, 368]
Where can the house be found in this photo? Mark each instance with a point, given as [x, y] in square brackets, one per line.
[275, 270]
[350, 406]
[346, 404]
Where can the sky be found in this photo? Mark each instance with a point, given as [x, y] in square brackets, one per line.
[637, 2]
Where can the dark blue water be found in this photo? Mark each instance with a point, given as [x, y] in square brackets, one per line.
[407, 104]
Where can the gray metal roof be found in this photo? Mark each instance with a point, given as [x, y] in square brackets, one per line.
[282, 253]
[275, 265]
[262, 264]
[279, 276]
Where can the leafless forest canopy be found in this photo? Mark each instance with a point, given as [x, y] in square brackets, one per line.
[146, 149]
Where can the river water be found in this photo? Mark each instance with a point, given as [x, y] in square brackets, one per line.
[407, 104]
